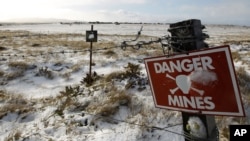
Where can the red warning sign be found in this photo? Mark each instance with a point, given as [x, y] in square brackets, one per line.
[199, 82]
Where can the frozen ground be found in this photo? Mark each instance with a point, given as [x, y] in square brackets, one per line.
[42, 97]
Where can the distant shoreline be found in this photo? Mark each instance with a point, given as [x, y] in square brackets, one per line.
[97, 22]
[73, 23]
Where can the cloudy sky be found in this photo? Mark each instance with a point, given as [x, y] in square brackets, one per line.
[209, 11]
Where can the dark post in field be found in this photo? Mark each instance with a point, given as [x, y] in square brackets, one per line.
[91, 36]
[188, 36]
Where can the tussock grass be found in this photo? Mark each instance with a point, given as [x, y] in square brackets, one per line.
[243, 79]
[9, 34]
[14, 103]
[110, 53]
[109, 104]
[13, 75]
[14, 135]
[76, 67]
[16, 69]
[237, 39]
[224, 122]
[130, 71]
[236, 56]
[115, 75]
[28, 39]
[68, 100]
[2, 48]
[45, 72]
[1, 73]
[19, 65]
[18, 39]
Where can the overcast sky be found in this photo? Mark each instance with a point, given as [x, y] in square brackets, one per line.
[209, 11]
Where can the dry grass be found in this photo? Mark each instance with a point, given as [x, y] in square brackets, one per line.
[16, 69]
[243, 79]
[27, 39]
[68, 100]
[104, 44]
[71, 69]
[130, 71]
[236, 39]
[18, 39]
[224, 122]
[19, 65]
[76, 67]
[119, 97]
[1, 73]
[13, 75]
[236, 56]
[13, 136]
[14, 103]
[45, 72]
[109, 104]
[110, 53]
[114, 75]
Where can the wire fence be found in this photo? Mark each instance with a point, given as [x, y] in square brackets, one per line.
[5, 56]
[133, 43]
[25, 55]
[166, 129]
[186, 135]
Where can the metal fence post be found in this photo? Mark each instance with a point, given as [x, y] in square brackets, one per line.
[91, 36]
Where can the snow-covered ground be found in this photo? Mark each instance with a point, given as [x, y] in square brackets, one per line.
[42, 97]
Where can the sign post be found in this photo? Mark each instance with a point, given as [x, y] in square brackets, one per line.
[199, 83]
[91, 36]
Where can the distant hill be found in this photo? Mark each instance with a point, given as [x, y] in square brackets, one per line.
[35, 20]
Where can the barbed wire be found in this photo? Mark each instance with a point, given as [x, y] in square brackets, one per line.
[155, 127]
[122, 46]
[165, 42]
[187, 135]
[166, 129]
[24, 55]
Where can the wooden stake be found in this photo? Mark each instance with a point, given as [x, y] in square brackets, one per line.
[90, 57]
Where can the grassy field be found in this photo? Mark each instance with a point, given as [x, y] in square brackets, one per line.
[61, 60]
